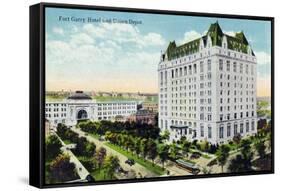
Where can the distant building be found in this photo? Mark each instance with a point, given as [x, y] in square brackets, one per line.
[80, 106]
[47, 128]
[142, 116]
[207, 88]
[150, 106]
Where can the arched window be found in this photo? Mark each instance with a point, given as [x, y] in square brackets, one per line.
[221, 131]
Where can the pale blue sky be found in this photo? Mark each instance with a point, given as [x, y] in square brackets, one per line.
[115, 57]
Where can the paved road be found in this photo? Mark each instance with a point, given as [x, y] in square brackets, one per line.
[81, 170]
[139, 169]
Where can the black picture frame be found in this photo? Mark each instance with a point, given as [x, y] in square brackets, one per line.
[37, 91]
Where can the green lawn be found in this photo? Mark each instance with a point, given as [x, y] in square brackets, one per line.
[66, 141]
[55, 97]
[96, 136]
[147, 164]
[101, 175]
[206, 156]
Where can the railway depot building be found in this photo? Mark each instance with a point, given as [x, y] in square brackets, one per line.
[207, 88]
[81, 106]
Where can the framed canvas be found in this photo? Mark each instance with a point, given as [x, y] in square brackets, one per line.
[123, 95]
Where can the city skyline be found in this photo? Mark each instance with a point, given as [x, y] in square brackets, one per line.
[124, 57]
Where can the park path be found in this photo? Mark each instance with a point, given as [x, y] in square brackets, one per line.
[140, 170]
[81, 170]
[170, 166]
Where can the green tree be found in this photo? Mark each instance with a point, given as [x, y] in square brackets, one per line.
[174, 151]
[247, 154]
[163, 152]
[185, 147]
[237, 164]
[111, 163]
[53, 146]
[81, 146]
[237, 138]
[260, 148]
[90, 149]
[165, 135]
[137, 146]
[61, 129]
[222, 155]
[152, 150]
[144, 147]
[100, 156]
[61, 169]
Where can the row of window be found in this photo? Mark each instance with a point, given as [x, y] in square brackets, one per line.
[55, 104]
[55, 115]
[116, 107]
[115, 112]
[55, 109]
[236, 115]
[119, 104]
[235, 67]
[235, 130]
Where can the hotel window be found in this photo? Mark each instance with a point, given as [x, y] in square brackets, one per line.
[234, 67]
[172, 73]
[209, 117]
[221, 117]
[228, 66]
[252, 70]
[209, 132]
[220, 64]
[209, 65]
[194, 68]
[253, 125]
[180, 72]
[247, 69]
[202, 130]
[201, 77]
[235, 129]
[209, 75]
[228, 130]
[221, 131]
[241, 68]
[247, 126]
[185, 70]
[201, 67]
[189, 70]
[228, 116]
[241, 128]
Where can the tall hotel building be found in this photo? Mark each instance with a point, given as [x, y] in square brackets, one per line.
[207, 88]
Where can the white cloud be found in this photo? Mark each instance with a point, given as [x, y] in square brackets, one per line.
[154, 39]
[88, 55]
[123, 33]
[81, 39]
[263, 58]
[58, 30]
[189, 36]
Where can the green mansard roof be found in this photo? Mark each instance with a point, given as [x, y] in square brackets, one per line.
[238, 43]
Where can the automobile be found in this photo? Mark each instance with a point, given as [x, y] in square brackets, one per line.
[130, 162]
[101, 139]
